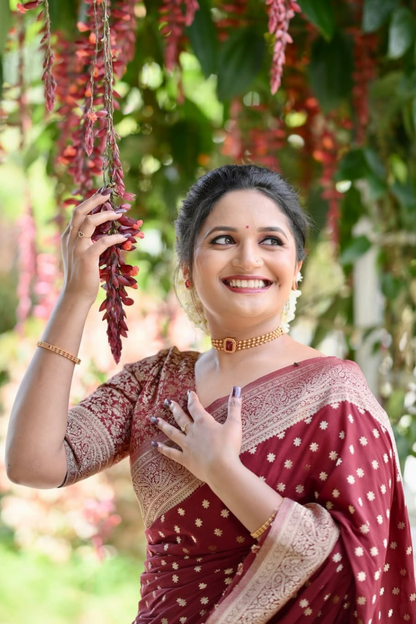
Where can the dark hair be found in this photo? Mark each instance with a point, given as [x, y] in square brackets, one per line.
[209, 189]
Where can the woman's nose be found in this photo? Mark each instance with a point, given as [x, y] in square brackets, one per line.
[247, 257]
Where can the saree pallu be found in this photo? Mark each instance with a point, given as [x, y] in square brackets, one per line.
[339, 550]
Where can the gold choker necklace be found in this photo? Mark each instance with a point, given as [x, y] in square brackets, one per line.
[231, 345]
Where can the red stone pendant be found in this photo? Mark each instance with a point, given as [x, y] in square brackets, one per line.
[230, 345]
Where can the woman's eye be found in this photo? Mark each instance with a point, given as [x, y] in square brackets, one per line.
[222, 240]
[272, 240]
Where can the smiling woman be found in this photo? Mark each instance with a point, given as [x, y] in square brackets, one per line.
[217, 439]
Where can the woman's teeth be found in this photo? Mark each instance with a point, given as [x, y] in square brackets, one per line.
[237, 283]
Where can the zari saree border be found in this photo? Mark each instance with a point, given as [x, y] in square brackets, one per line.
[298, 542]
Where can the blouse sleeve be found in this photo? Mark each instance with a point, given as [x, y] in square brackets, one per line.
[98, 429]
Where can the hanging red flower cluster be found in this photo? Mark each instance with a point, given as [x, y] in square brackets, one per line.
[26, 243]
[365, 69]
[45, 44]
[174, 16]
[280, 14]
[299, 99]
[232, 17]
[328, 153]
[254, 133]
[84, 89]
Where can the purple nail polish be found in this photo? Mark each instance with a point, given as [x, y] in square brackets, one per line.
[154, 443]
[154, 420]
[167, 402]
[236, 392]
[106, 191]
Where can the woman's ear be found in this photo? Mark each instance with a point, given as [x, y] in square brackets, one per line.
[298, 267]
[186, 276]
[185, 271]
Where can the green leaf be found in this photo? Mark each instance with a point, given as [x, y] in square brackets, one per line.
[189, 138]
[405, 195]
[320, 13]
[375, 164]
[355, 250]
[376, 186]
[353, 166]
[390, 285]
[406, 88]
[241, 58]
[5, 23]
[364, 164]
[414, 113]
[401, 33]
[352, 210]
[336, 308]
[64, 16]
[330, 70]
[203, 37]
[376, 12]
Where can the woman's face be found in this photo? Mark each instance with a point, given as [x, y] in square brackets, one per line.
[244, 261]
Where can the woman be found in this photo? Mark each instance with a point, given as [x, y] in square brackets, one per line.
[278, 503]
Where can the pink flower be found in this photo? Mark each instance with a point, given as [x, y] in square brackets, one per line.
[24, 8]
[280, 14]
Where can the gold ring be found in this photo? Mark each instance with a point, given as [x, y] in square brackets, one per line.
[183, 429]
[82, 235]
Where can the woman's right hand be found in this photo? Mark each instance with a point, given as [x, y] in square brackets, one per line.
[80, 254]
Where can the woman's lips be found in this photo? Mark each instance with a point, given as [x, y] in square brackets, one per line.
[246, 285]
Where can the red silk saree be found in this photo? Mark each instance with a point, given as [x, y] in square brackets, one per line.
[339, 550]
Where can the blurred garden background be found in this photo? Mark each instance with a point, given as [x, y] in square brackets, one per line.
[323, 91]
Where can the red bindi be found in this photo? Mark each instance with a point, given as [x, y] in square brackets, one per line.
[247, 226]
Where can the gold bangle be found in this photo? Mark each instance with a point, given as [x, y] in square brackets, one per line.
[264, 526]
[58, 351]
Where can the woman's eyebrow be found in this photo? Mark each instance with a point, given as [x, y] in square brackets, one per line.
[273, 229]
[221, 228]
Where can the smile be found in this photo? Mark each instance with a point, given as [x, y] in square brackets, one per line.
[246, 283]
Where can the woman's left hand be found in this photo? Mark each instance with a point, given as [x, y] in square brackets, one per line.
[207, 446]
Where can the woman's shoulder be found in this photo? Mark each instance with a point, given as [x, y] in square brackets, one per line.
[342, 381]
[335, 374]
[166, 360]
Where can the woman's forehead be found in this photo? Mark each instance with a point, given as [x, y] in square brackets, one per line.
[251, 205]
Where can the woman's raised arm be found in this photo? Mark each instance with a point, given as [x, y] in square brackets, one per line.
[35, 454]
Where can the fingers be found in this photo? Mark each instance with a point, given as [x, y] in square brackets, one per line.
[234, 406]
[168, 451]
[195, 407]
[82, 210]
[91, 221]
[173, 433]
[183, 421]
[89, 204]
[96, 249]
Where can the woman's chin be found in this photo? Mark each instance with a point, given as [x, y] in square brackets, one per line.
[242, 318]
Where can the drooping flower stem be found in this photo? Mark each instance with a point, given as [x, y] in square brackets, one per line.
[114, 272]
[108, 168]
[48, 77]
